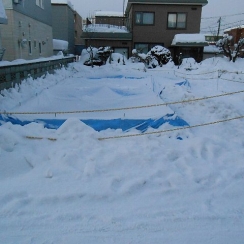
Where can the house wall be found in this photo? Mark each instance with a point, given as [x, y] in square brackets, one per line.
[78, 29]
[159, 33]
[236, 33]
[21, 28]
[30, 9]
[63, 24]
[119, 21]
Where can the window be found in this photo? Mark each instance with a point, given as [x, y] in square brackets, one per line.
[30, 47]
[40, 3]
[177, 20]
[144, 18]
[40, 48]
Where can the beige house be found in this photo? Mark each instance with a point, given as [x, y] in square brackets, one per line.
[28, 34]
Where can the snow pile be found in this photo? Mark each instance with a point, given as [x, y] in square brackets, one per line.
[212, 49]
[76, 185]
[60, 44]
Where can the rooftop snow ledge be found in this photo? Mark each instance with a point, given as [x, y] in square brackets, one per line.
[192, 39]
[105, 28]
[63, 2]
[109, 14]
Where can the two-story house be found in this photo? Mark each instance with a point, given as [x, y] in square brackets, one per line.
[28, 34]
[156, 22]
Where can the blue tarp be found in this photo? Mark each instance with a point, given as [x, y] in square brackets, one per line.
[98, 124]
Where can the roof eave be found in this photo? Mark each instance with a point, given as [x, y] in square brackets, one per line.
[161, 3]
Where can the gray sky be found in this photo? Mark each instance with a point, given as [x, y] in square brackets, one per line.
[215, 8]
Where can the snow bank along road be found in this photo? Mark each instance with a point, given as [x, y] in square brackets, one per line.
[183, 186]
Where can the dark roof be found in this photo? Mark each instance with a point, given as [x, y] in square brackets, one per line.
[178, 2]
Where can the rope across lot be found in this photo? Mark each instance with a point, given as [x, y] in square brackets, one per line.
[147, 133]
[124, 108]
[145, 106]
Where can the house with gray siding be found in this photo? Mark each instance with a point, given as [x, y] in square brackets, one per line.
[63, 18]
[28, 34]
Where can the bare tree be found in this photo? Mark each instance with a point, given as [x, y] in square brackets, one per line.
[225, 44]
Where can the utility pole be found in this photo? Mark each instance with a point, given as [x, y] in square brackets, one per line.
[123, 12]
[219, 21]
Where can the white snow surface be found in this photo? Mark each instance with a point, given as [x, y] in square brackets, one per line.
[211, 49]
[105, 28]
[109, 14]
[144, 189]
[68, 2]
[188, 38]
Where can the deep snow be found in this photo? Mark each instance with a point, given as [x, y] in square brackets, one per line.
[152, 188]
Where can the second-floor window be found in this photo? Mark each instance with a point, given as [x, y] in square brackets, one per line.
[144, 18]
[177, 20]
[40, 3]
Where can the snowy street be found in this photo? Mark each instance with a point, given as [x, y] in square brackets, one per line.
[173, 184]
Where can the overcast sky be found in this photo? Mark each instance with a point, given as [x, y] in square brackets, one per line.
[215, 8]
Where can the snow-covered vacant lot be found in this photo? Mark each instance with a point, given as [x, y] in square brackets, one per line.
[77, 185]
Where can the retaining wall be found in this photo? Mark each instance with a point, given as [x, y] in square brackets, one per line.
[15, 73]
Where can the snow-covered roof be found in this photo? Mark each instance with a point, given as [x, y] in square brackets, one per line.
[189, 39]
[211, 49]
[236, 27]
[3, 17]
[105, 28]
[63, 2]
[109, 14]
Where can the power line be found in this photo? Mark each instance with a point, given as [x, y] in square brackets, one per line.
[216, 17]
[227, 24]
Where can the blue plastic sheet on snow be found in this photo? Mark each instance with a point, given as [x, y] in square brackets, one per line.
[98, 124]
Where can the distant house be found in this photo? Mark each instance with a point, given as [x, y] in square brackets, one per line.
[67, 25]
[63, 22]
[79, 43]
[154, 22]
[28, 34]
[108, 30]
[3, 20]
[212, 39]
[236, 32]
[110, 18]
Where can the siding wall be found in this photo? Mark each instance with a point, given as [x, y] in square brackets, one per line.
[29, 8]
[63, 24]
[159, 33]
[22, 27]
